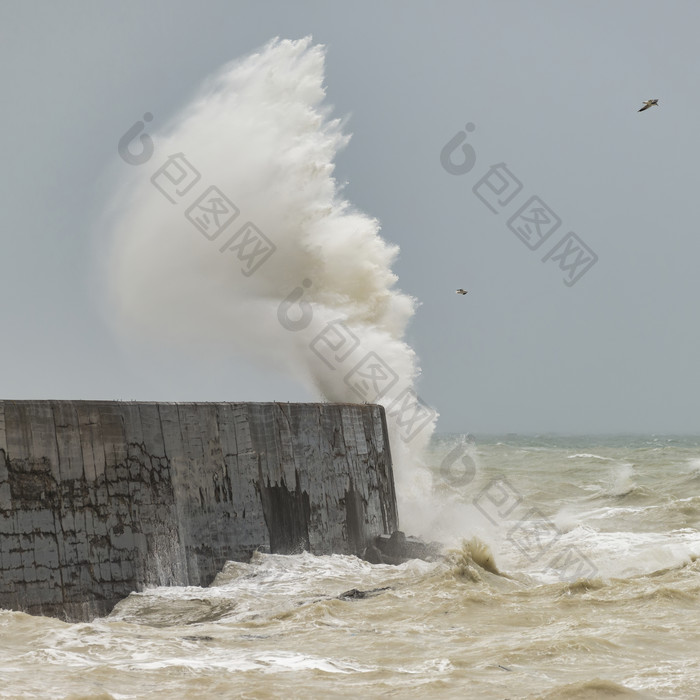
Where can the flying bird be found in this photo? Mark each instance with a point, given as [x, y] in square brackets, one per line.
[461, 291]
[647, 104]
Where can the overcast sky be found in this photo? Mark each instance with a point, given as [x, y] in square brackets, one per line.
[550, 89]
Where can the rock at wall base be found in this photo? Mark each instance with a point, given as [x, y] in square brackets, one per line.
[398, 548]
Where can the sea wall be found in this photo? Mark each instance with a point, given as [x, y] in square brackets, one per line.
[101, 498]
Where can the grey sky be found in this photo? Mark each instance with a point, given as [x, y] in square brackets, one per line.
[553, 89]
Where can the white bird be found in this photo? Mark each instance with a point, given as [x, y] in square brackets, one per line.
[647, 104]
[461, 291]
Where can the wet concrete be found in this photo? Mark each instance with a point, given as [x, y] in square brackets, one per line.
[98, 499]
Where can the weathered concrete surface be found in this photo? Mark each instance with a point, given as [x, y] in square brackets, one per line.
[98, 499]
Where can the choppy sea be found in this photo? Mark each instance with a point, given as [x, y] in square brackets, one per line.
[572, 570]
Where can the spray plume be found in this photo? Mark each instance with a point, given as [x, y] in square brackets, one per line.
[238, 238]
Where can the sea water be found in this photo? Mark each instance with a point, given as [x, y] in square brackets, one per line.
[570, 566]
[570, 571]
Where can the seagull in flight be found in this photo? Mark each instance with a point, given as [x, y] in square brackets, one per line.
[461, 291]
[647, 104]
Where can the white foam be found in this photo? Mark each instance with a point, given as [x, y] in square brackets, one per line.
[618, 554]
[693, 465]
[622, 480]
[587, 455]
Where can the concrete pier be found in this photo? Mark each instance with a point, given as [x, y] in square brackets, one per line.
[100, 498]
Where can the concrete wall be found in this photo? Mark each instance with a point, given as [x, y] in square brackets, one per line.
[98, 499]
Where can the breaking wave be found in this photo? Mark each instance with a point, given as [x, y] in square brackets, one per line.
[236, 237]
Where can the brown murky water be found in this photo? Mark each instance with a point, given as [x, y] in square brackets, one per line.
[583, 582]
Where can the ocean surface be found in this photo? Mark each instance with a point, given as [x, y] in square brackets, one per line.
[572, 570]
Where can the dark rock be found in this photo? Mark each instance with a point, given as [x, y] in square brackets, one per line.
[373, 555]
[356, 594]
[398, 548]
[198, 638]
